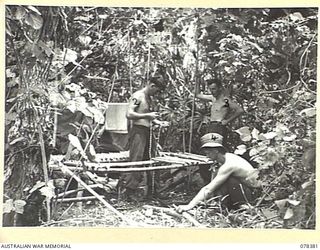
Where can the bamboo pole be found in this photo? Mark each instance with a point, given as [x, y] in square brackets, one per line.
[115, 211]
[45, 170]
[130, 169]
[194, 95]
[109, 164]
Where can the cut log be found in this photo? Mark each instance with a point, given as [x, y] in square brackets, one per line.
[171, 211]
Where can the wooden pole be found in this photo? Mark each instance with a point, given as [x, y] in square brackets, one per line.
[194, 97]
[45, 170]
[79, 199]
[109, 164]
[132, 169]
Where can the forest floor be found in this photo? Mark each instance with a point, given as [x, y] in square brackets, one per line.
[155, 213]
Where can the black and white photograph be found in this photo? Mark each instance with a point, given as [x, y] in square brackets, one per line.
[149, 117]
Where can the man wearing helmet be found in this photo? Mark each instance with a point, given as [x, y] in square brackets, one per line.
[234, 180]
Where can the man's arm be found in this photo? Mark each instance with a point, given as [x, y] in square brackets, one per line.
[200, 95]
[223, 173]
[132, 114]
[236, 111]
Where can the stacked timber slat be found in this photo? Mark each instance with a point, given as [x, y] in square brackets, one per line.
[115, 162]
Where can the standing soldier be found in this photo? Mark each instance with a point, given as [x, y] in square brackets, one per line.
[139, 112]
[223, 109]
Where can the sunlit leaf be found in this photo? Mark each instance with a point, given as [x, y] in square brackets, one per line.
[9, 73]
[307, 184]
[294, 202]
[71, 55]
[8, 206]
[289, 214]
[34, 20]
[71, 105]
[34, 9]
[309, 112]
[289, 138]
[75, 142]
[245, 134]
[19, 206]
[255, 134]
[281, 203]
[20, 13]
[253, 151]
[36, 187]
[270, 135]
[296, 16]
[85, 40]
[47, 192]
[85, 53]
[103, 16]
[20, 139]
[241, 149]
[268, 213]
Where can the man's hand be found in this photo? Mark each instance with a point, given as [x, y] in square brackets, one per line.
[152, 115]
[183, 208]
[161, 123]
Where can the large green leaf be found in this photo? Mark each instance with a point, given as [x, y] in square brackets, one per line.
[20, 13]
[34, 20]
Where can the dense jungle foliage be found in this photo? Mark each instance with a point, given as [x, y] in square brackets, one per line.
[80, 58]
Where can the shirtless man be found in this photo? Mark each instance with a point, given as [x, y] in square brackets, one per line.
[234, 178]
[223, 109]
[139, 112]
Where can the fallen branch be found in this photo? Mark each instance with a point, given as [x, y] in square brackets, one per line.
[190, 218]
[166, 210]
[172, 212]
[120, 215]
